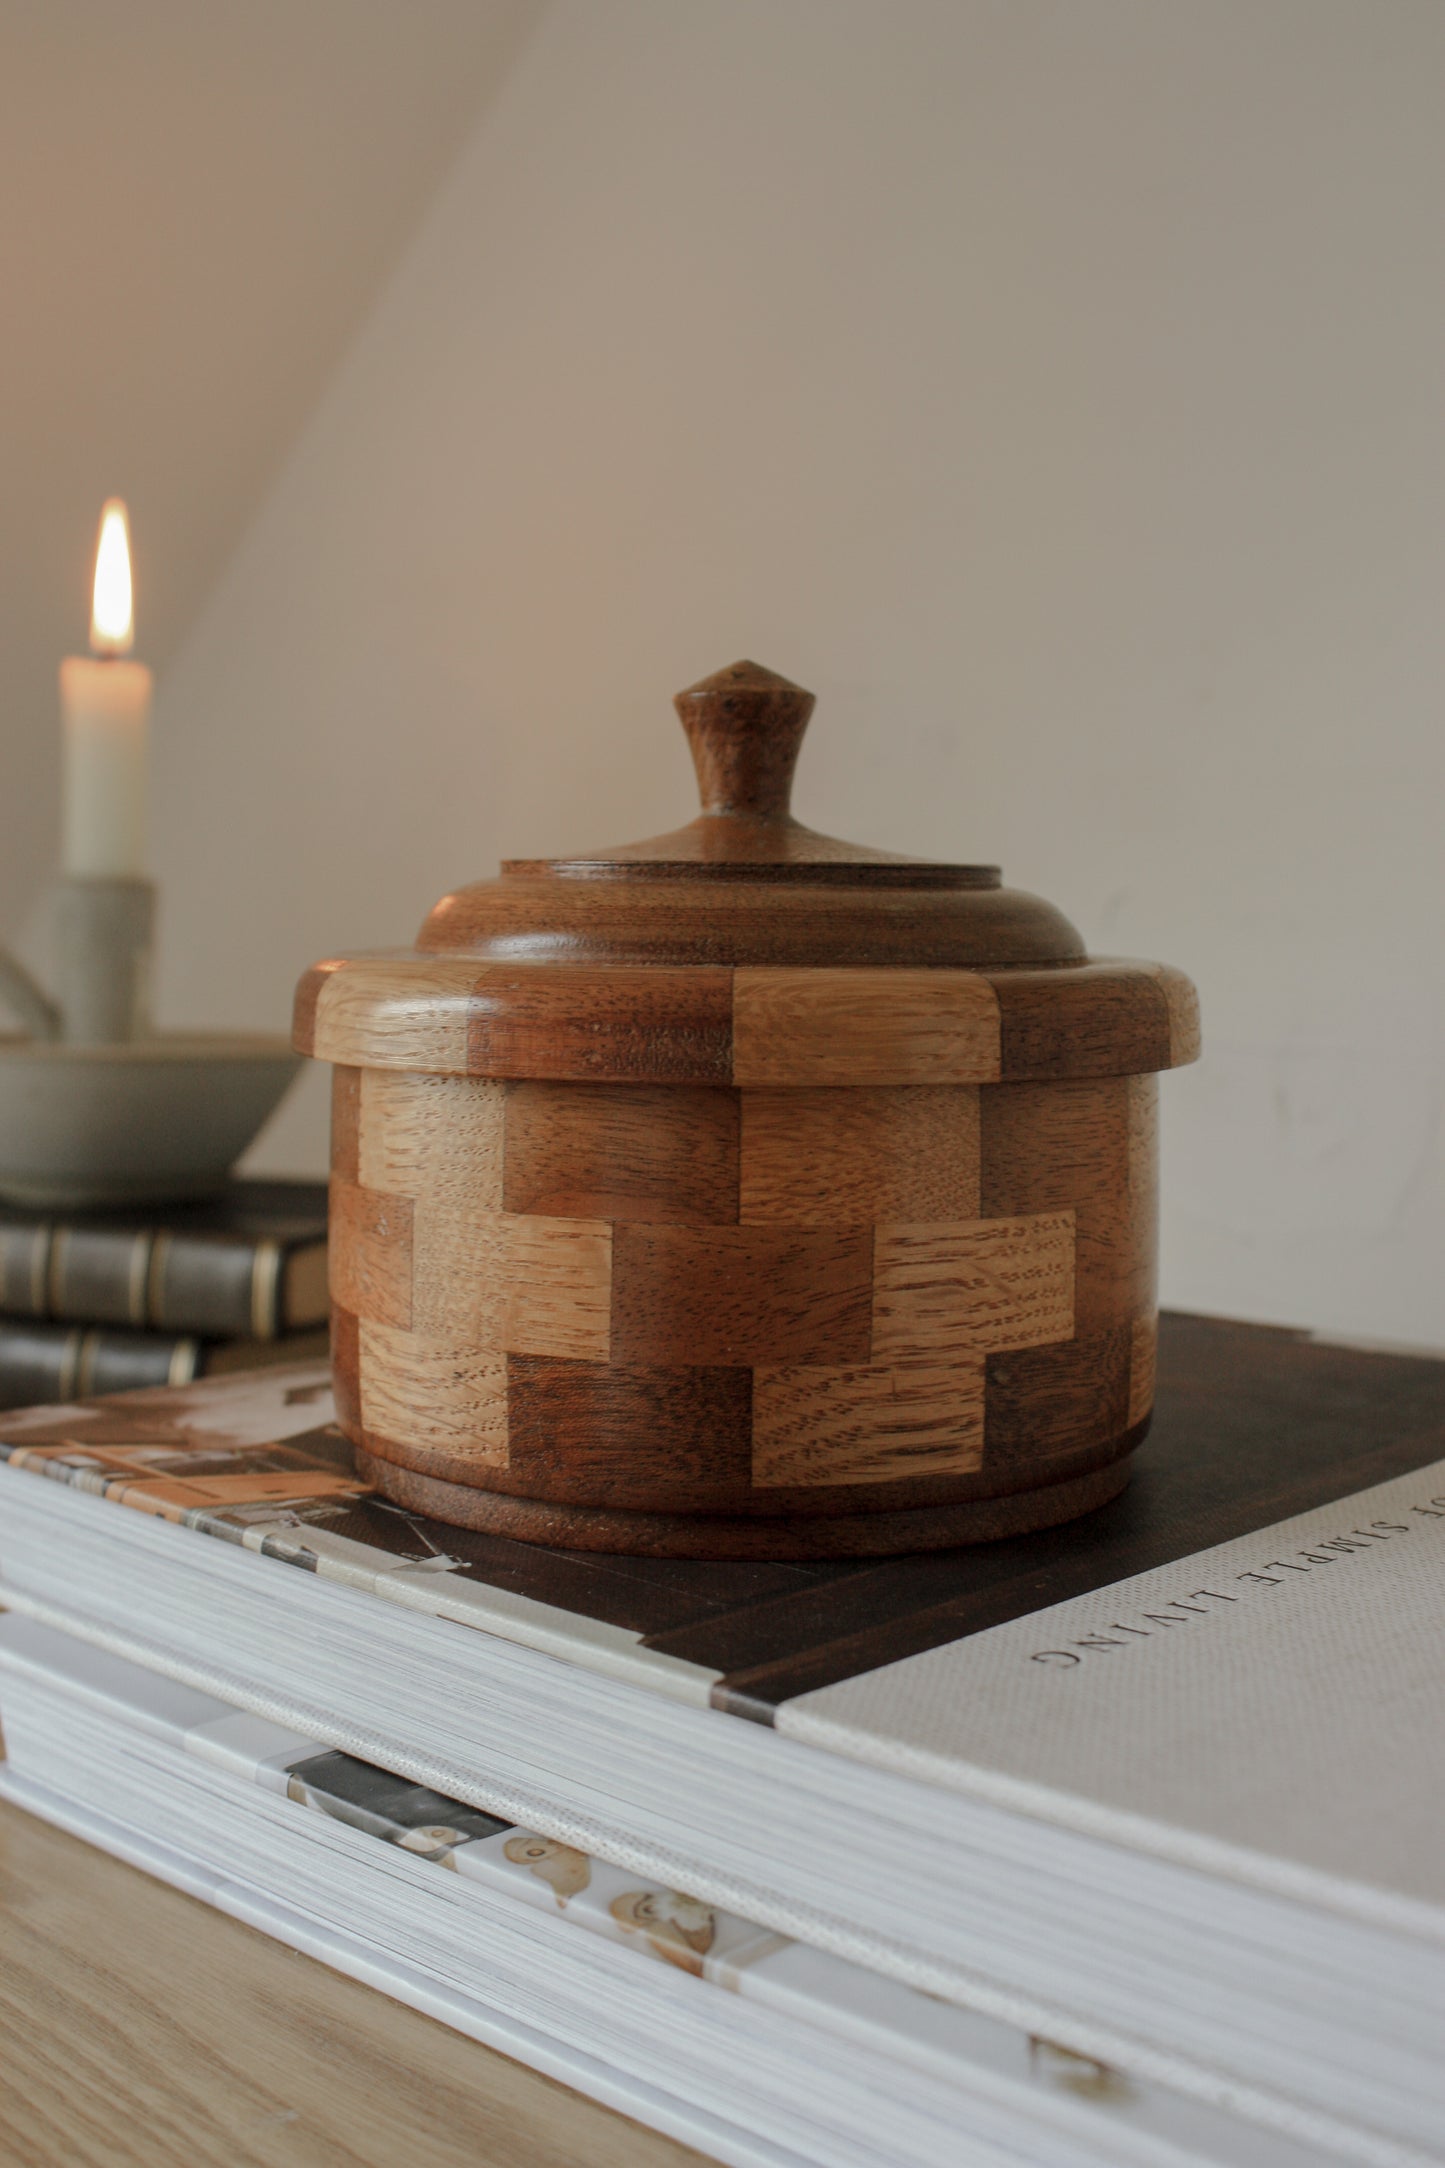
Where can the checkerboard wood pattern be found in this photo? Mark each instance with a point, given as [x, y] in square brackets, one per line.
[764, 1316]
[745, 1192]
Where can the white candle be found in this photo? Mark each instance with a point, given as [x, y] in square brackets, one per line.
[105, 705]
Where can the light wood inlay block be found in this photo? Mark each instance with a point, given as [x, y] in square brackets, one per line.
[370, 1253]
[558, 1276]
[740, 1295]
[435, 1138]
[872, 1424]
[438, 1140]
[1143, 1127]
[618, 1151]
[379, 1012]
[864, 1027]
[459, 1274]
[830, 1158]
[433, 1392]
[1143, 1356]
[944, 1291]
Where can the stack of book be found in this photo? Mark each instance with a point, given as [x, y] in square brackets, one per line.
[1116, 1844]
[107, 1302]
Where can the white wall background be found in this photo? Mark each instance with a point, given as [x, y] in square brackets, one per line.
[1056, 389]
[197, 202]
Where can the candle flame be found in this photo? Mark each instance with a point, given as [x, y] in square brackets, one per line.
[112, 619]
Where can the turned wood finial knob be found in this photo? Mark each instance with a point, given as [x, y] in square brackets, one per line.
[745, 725]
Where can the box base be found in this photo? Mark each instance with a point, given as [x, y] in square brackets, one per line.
[691, 1535]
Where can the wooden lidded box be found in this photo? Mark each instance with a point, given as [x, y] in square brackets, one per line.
[744, 1193]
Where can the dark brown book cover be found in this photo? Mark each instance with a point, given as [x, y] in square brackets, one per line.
[249, 1265]
[1254, 1425]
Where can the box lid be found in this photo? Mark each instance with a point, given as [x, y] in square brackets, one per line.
[690, 957]
[746, 883]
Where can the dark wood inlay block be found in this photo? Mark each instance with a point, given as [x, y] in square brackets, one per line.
[370, 1253]
[740, 1295]
[613, 1151]
[1044, 1400]
[1095, 1019]
[649, 1437]
[346, 1124]
[1053, 1147]
[346, 1369]
[644, 1026]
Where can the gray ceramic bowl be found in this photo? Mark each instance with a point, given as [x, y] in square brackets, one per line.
[149, 1122]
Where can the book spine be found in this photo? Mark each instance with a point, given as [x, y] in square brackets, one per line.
[25, 1266]
[220, 1285]
[58, 1363]
[216, 1286]
[43, 1364]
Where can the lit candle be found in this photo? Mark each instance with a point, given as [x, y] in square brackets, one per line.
[105, 705]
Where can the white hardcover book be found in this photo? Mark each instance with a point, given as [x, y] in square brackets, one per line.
[1159, 1787]
[753, 2047]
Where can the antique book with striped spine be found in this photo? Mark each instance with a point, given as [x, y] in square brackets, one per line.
[249, 1266]
[58, 1363]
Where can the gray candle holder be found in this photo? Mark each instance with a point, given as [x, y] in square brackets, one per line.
[104, 936]
[97, 1109]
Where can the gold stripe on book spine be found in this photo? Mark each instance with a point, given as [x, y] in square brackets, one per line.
[40, 1247]
[77, 1364]
[156, 1280]
[52, 1302]
[265, 1280]
[185, 1362]
[137, 1282]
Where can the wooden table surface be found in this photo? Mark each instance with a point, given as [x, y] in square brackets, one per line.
[141, 2029]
